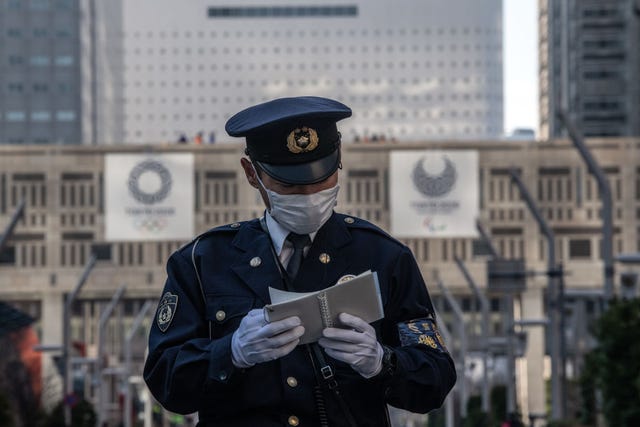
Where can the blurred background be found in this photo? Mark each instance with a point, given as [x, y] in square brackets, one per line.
[498, 139]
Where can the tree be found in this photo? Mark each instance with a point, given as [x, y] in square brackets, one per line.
[82, 415]
[613, 367]
[475, 416]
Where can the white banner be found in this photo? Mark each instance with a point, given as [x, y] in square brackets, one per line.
[434, 193]
[149, 197]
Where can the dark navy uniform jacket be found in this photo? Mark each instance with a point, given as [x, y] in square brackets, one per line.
[189, 365]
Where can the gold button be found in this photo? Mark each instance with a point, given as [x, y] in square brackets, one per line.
[324, 258]
[220, 315]
[293, 420]
[292, 381]
[349, 220]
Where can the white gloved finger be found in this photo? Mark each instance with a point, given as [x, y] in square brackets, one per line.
[358, 347]
[256, 341]
[277, 353]
[280, 326]
[348, 358]
[274, 348]
[349, 335]
[348, 347]
[251, 322]
[283, 338]
[354, 322]
[367, 363]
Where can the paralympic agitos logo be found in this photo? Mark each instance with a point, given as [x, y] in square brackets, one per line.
[432, 185]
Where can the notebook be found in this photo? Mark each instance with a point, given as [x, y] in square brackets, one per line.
[359, 296]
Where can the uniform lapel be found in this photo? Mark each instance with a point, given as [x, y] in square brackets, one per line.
[325, 262]
[256, 247]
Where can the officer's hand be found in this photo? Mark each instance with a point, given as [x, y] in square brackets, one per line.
[357, 346]
[257, 341]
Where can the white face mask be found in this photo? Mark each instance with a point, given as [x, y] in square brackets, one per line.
[302, 213]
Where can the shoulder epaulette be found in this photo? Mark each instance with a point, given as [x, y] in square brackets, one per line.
[363, 224]
[232, 227]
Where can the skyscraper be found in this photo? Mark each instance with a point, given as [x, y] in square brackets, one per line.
[411, 70]
[148, 71]
[40, 72]
[589, 66]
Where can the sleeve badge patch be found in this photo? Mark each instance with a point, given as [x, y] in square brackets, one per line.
[421, 331]
[166, 310]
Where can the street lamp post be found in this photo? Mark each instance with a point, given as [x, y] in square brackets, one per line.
[629, 279]
[449, 403]
[127, 360]
[557, 385]
[484, 308]
[607, 204]
[66, 337]
[457, 311]
[8, 232]
[102, 387]
[487, 240]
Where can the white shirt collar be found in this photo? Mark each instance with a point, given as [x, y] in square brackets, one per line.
[278, 233]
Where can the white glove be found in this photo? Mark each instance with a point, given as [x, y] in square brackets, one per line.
[257, 341]
[357, 346]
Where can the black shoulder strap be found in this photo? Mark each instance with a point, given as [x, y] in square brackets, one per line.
[328, 379]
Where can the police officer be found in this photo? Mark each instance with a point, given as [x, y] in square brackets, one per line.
[210, 348]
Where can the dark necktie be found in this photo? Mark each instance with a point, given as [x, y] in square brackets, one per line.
[299, 241]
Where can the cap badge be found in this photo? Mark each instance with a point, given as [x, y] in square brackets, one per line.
[302, 140]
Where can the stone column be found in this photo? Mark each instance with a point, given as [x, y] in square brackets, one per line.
[533, 396]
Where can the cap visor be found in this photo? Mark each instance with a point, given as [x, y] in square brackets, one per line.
[304, 173]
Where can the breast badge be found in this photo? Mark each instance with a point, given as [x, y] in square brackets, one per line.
[166, 310]
[346, 278]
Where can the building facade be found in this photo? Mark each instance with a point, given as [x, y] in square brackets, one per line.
[64, 223]
[40, 85]
[412, 70]
[589, 63]
[104, 73]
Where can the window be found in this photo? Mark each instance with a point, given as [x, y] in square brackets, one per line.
[15, 116]
[39, 60]
[39, 4]
[602, 74]
[63, 4]
[40, 87]
[16, 60]
[14, 4]
[282, 11]
[64, 60]
[63, 33]
[15, 87]
[41, 116]
[64, 87]
[65, 116]
[579, 248]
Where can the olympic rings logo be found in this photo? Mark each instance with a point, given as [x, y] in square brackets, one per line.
[150, 225]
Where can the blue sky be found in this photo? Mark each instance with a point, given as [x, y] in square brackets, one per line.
[520, 64]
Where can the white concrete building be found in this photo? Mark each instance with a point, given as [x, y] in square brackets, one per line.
[66, 211]
[412, 69]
